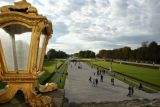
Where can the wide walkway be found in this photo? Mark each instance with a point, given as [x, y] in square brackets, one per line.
[78, 89]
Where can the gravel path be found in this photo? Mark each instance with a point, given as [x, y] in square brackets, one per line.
[78, 89]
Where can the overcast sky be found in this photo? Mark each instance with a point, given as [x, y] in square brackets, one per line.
[99, 24]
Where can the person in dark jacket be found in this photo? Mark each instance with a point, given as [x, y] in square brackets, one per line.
[101, 78]
[129, 91]
[112, 81]
[96, 81]
[90, 79]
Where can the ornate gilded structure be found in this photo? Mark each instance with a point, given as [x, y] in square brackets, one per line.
[24, 36]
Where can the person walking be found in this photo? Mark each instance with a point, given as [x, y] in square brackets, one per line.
[96, 81]
[140, 86]
[90, 79]
[129, 91]
[112, 81]
[132, 90]
[101, 78]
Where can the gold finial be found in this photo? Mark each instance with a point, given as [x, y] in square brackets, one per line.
[22, 2]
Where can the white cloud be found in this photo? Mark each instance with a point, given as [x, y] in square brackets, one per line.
[99, 24]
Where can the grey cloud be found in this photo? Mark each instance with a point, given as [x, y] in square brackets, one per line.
[60, 28]
[153, 8]
[119, 7]
[74, 5]
[103, 23]
[108, 45]
[137, 39]
[37, 2]
[103, 3]
[120, 41]
[93, 38]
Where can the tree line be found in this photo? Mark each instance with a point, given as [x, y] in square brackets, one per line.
[85, 54]
[52, 54]
[147, 52]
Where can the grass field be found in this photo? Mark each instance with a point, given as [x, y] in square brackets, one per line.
[145, 74]
[62, 79]
[49, 67]
[54, 76]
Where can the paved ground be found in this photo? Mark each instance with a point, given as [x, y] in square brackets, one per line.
[78, 89]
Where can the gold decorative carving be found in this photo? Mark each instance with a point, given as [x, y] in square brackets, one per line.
[22, 6]
[30, 95]
[27, 81]
[47, 87]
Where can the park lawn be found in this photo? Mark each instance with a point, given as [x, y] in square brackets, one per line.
[55, 75]
[63, 77]
[49, 67]
[145, 74]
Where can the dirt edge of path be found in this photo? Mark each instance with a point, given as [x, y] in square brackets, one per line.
[125, 103]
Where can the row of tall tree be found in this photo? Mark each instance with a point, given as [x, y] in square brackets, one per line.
[147, 52]
[85, 54]
[52, 54]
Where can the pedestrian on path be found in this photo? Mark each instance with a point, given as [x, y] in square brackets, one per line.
[112, 81]
[96, 81]
[129, 91]
[132, 90]
[101, 78]
[140, 86]
[90, 79]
